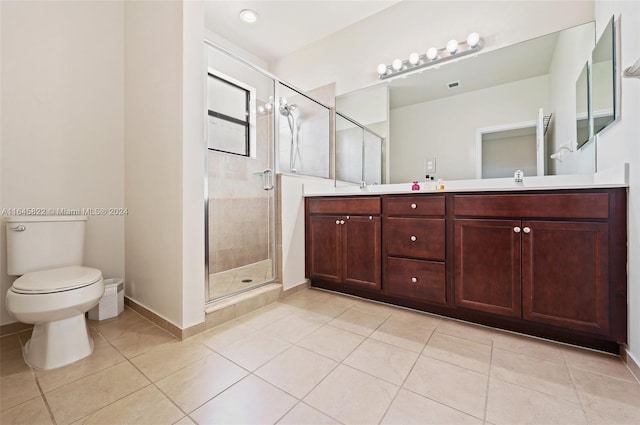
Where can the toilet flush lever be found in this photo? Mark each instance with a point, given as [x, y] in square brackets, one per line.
[19, 228]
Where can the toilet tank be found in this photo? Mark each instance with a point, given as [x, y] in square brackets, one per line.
[44, 242]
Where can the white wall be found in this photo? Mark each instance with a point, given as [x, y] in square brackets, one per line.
[164, 158]
[349, 57]
[62, 119]
[572, 52]
[430, 130]
[193, 170]
[620, 143]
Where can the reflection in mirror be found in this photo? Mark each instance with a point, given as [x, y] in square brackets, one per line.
[603, 78]
[438, 113]
[302, 133]
[358, 153]
[583, 132]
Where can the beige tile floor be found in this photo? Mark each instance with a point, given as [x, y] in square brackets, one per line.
[320, 358]
[230, 282]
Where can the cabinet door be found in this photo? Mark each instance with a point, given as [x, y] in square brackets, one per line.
[324, 248]
[487, 266]
[565, 274]
[361, 252]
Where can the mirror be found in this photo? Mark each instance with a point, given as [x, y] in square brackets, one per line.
[603, 79]
[358, 153]
[583, 132]
[442, 112]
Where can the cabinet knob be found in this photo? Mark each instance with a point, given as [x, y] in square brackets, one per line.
[414, 279]
[516, 229]
[414, 206]
[337, 221]
[370, 217]
[527, 230]
[413, 238]
[341, 221]
[347, 217]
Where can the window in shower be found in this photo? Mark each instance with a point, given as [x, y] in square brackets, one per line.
[230, 117]
[240, 199]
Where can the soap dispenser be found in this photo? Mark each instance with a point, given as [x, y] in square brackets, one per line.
[415, 186]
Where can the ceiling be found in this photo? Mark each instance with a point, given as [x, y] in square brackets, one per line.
[285, 26]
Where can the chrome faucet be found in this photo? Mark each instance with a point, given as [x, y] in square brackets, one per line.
[518, 176]
[363, 184]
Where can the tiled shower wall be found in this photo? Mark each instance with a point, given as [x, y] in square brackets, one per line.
[240, 211]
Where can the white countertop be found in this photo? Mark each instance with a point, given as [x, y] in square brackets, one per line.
[616, 177]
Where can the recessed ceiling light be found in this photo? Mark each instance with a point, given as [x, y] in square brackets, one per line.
[249, 16]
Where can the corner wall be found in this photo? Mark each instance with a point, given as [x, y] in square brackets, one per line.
[164, 164]
[620, 143]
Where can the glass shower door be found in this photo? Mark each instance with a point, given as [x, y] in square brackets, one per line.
[241, 185]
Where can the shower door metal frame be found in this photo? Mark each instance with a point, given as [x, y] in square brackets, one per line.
[276, 146]
[273, 247]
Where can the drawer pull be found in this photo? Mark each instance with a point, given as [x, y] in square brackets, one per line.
[370, 217]
[413, 238]
[414, 206]
[337, 221]
[341, 221]
[414, 279]
[516, 229]
[527, 230]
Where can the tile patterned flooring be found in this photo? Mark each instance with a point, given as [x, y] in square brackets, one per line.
[229, 282]
[319, 358]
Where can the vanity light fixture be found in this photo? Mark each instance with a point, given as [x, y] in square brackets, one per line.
[453, 49]
[248, 16]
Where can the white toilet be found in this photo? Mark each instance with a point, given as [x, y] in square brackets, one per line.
[54, 290]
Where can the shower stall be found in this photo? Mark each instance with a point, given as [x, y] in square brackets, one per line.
[256, 126]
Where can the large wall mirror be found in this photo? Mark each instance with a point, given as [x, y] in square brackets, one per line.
[603, 79]
[583, 128]
[523, 92]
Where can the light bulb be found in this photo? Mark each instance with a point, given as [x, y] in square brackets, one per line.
[432, 53]
[452, 46]
[261, 109]
[473, 39]
[268, 106]
[283, 101]
[249, 16]
[382, 69]
[396, 64]
[414, 58]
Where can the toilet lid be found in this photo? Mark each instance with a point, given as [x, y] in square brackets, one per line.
[56, 280]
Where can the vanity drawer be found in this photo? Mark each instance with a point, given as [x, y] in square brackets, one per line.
[415, 237]
[553, 205]
[344, 205]
[416, 279]
[414, 205]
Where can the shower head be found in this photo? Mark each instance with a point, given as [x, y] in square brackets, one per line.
[286, 110]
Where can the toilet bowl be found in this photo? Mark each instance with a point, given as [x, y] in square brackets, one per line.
[55, 302]
[54, 291]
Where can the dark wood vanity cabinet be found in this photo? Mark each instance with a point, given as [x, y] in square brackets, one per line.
[545, 258]
[547, 263]
[414, 248]
[344, 242]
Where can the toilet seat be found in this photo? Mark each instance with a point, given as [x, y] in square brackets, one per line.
[56, 280]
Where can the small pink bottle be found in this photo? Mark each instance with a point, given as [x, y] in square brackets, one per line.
[415, 186]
